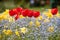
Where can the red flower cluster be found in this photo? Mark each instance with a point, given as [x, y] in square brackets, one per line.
[30, 13]
[24, 12]
[15, 11]
[54, 11]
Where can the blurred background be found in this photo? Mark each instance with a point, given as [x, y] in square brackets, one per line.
[31, 4]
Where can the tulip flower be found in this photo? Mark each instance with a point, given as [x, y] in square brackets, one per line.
[54, 11]
[12, 12]
[36, 14]
[19, 9]
[30, 13]
[25, 12]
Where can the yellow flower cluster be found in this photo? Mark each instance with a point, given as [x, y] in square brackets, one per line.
[22, 30]
[7, 32]
[5, 16]
[37, 23]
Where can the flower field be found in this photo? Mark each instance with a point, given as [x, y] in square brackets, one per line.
[26, 24]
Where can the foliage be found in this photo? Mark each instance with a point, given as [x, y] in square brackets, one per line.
[54, 36]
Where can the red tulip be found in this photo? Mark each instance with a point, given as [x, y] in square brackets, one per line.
[30, 13]
[54, 11]
[36, 14]
[11, 13]
[15, 11]
[25, 12]
[19, 10]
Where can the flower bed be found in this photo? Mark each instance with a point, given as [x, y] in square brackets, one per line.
[25, 24]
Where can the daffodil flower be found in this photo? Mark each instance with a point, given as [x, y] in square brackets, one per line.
[17, 33]
[6, 12]
[37, 23]
[11, 19]
[7, 32]
[30, 23]
[23, 30]
[4, 31]
[40, 17]
[51, 29]
[49, 15]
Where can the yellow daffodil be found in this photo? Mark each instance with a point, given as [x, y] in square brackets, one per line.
[51, 29]
[46, 20]
[3, 17]
[17, 33]
[4, 31]
[40, 17]
[6, 12]
[7, 32]
[49, 15]
[23, 30]
[30, 23]
[21, 16]
[11, 19]
[46, 12]
[37, 23]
